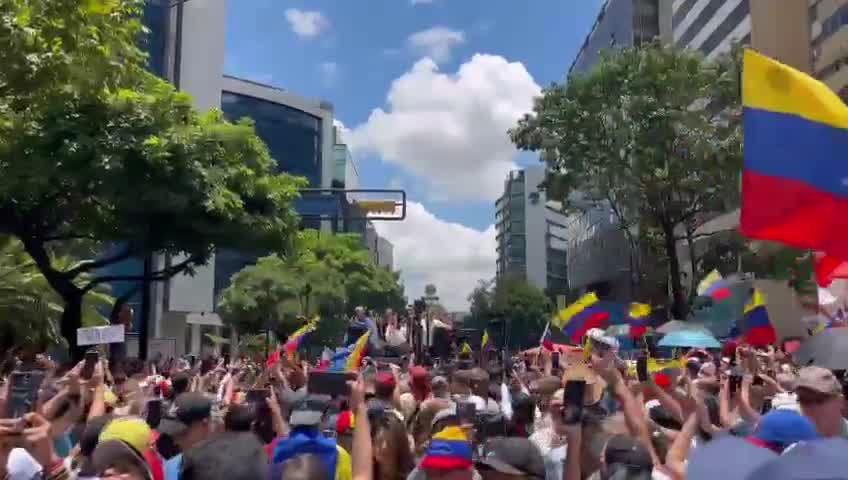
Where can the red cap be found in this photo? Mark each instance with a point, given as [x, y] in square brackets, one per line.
[662, 381]
[385, 384]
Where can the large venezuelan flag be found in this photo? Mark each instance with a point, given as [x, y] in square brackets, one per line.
[354, 360]
[581, 316]
[757, 329]
[795, 179]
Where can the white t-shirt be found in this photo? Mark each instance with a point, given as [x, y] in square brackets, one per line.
[21, 465]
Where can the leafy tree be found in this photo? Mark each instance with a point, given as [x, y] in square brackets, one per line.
[652, 133]
[324, 275]
[29, 309]
[481, 303]
[92, 146]
[526, 306]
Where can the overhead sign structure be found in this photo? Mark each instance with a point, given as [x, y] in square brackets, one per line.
[354, 204]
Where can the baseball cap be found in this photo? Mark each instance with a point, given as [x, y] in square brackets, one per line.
[514, 456]
[130, 430]
[385, 384]
[781, 428]
[188, 408]
[308, 412]
[819, 380]
[625, 451]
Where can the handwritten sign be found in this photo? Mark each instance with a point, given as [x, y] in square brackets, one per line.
[100, 335]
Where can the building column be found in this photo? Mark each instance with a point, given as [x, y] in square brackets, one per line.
[195, 339]
[782, 33]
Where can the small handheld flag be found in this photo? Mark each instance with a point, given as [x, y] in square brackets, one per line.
[297, 337]
[638, 316]
[358, 353]
[757, 329]
[465, 349]
[581, 316]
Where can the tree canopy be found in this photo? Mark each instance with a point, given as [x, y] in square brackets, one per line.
[651, 132]
[526, 307]
[324, 275]
[92, 146]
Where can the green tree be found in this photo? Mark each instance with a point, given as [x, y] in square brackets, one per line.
[653, 133]
[92, 146]
[323, 275]
[525, 306]
[480, 301]
[29, 309]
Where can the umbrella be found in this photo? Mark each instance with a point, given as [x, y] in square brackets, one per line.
[677, 325]
[728, 458]
[828, 349]
[689, 339]
[812, 460]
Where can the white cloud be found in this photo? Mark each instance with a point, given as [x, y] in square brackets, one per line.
[464, 255]
[329, 72]
[436, 42]
[305, 23]
[451, 129]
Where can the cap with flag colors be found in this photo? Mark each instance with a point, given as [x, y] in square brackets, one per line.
[354, 360]
[581, 316]
[465, 349]
[757, 329]
[296, 338]
[638, 316]
[795, 177]
[714, 286]
[448, 450]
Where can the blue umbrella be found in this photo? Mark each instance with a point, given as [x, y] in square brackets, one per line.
[689, 339]
[727, 458]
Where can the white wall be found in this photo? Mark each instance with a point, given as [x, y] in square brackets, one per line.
[201, 70]
[535, 227]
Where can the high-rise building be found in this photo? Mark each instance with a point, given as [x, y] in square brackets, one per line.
[531, 233]
[620, 23]
[711, 26]
[829, 43]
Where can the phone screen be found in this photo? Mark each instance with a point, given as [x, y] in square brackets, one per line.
[23, 392]
[735, 383]
[91, 358]
[555, 360]
[767, 405]
[154, 412]
[573, 396]
[642, 368]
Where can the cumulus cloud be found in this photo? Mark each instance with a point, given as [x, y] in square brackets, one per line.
[307, 24]
[436, 42]
[451, 128]
[464, 255]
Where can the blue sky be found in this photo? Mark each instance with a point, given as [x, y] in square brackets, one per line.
[427, 89]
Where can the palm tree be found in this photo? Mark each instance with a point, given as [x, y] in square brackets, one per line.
[29, 309]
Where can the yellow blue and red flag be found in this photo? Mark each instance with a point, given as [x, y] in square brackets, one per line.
[581, 316]
[795, 176]
[638, 317]
[485, 341]
[295, 339]
[757, 329]
[354, 360]
[714, 286]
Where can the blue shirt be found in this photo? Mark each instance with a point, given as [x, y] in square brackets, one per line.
[172, 467]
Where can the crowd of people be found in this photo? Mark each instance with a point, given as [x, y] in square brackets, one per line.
[736, 413]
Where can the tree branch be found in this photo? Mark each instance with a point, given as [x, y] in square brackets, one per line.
[159, 276]
[88, 265]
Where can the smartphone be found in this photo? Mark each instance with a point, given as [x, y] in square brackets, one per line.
[257, 396]
[767, 406]
[328, 383]
[555, 360]
[642, 368]
[154, 412]
[572, 411]
[466, 412]
[23, 392]
[735, 383]
[693, 367]
[91, 359]
[651, 346]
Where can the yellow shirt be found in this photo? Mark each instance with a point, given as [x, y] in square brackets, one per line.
[343, 465]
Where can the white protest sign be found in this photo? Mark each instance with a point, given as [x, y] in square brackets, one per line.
[100, 335]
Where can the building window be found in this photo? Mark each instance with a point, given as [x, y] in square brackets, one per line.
[293, 136]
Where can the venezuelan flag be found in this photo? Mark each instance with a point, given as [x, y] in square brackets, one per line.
[448, 450]
[581, 316]
[354, 360]
[757, 329]
[638, 316]
[795, 178]
[714, 286]
[293, 343]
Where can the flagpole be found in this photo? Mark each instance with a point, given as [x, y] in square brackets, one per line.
[545, 333]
